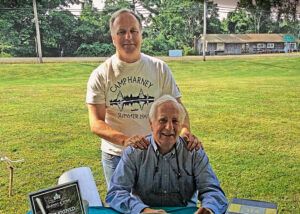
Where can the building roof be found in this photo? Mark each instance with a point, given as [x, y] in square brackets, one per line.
[223, 38]
[243, 38]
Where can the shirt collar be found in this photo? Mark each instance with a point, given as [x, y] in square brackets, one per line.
[155, 147]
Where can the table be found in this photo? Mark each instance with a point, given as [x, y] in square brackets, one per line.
[173, 210]
[177, 210]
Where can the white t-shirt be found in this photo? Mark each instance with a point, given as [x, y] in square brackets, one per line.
[128, 90]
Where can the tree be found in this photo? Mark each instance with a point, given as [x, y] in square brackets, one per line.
[4, 45]
[59, 33]
[214, 23]
[237, 21]
[93, 33]
[18, 31]
[286, 18]
[260, 13]
[286, 9]
[176, 23]
[45, 3]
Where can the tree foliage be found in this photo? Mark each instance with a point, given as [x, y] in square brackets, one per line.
[176, 23]
[238, 21]
[18, 29]
[167, 24]
[261, 13]
[58, 33]
[21, 38]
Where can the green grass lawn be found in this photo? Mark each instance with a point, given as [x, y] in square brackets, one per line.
[247, 112]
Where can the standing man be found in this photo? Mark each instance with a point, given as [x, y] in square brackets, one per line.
[122, 89]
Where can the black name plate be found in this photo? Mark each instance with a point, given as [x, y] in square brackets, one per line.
[62, 199]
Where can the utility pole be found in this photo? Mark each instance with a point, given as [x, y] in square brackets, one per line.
[37, 29]
[204, 29]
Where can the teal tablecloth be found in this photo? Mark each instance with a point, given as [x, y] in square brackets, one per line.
[174, 210]
[104, 210]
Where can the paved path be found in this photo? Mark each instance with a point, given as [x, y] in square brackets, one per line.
[100, 59]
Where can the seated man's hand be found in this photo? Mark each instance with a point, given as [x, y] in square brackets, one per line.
[192, 140]
[149, 210]
[202, 210]
[136, 141]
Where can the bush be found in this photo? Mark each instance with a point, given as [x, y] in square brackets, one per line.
[95, 49]
[4, 54]
[188, 51]
[158, 46]
[23, 51]
[4, 50]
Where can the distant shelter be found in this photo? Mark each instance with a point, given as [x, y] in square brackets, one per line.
[226, 44]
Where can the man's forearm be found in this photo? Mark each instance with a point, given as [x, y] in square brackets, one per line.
[186, 123]
[104, 131]
[122, 201]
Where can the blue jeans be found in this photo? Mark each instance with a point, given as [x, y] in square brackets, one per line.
[109, 163]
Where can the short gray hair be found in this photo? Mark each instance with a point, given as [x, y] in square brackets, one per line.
[163, 99]
[123, 10]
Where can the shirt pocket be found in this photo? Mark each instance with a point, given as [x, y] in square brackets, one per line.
[187, 183]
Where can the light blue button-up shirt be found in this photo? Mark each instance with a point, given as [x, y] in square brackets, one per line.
[146, 178]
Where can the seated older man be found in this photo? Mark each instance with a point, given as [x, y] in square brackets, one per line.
[167, 173]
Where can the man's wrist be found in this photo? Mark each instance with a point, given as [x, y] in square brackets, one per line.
[123, 141]
[144, 210]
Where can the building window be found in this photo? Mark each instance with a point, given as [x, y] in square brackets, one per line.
[293, 46]
[220, 46]
[261, 45]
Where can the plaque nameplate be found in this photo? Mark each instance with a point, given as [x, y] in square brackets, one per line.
[61, 199]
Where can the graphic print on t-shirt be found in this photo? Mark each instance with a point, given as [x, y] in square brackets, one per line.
[132, 93]
[142, 99]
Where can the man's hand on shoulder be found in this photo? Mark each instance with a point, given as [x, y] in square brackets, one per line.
[192, 140]
[137, 141]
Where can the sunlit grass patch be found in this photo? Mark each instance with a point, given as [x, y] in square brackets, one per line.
[245, 110]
